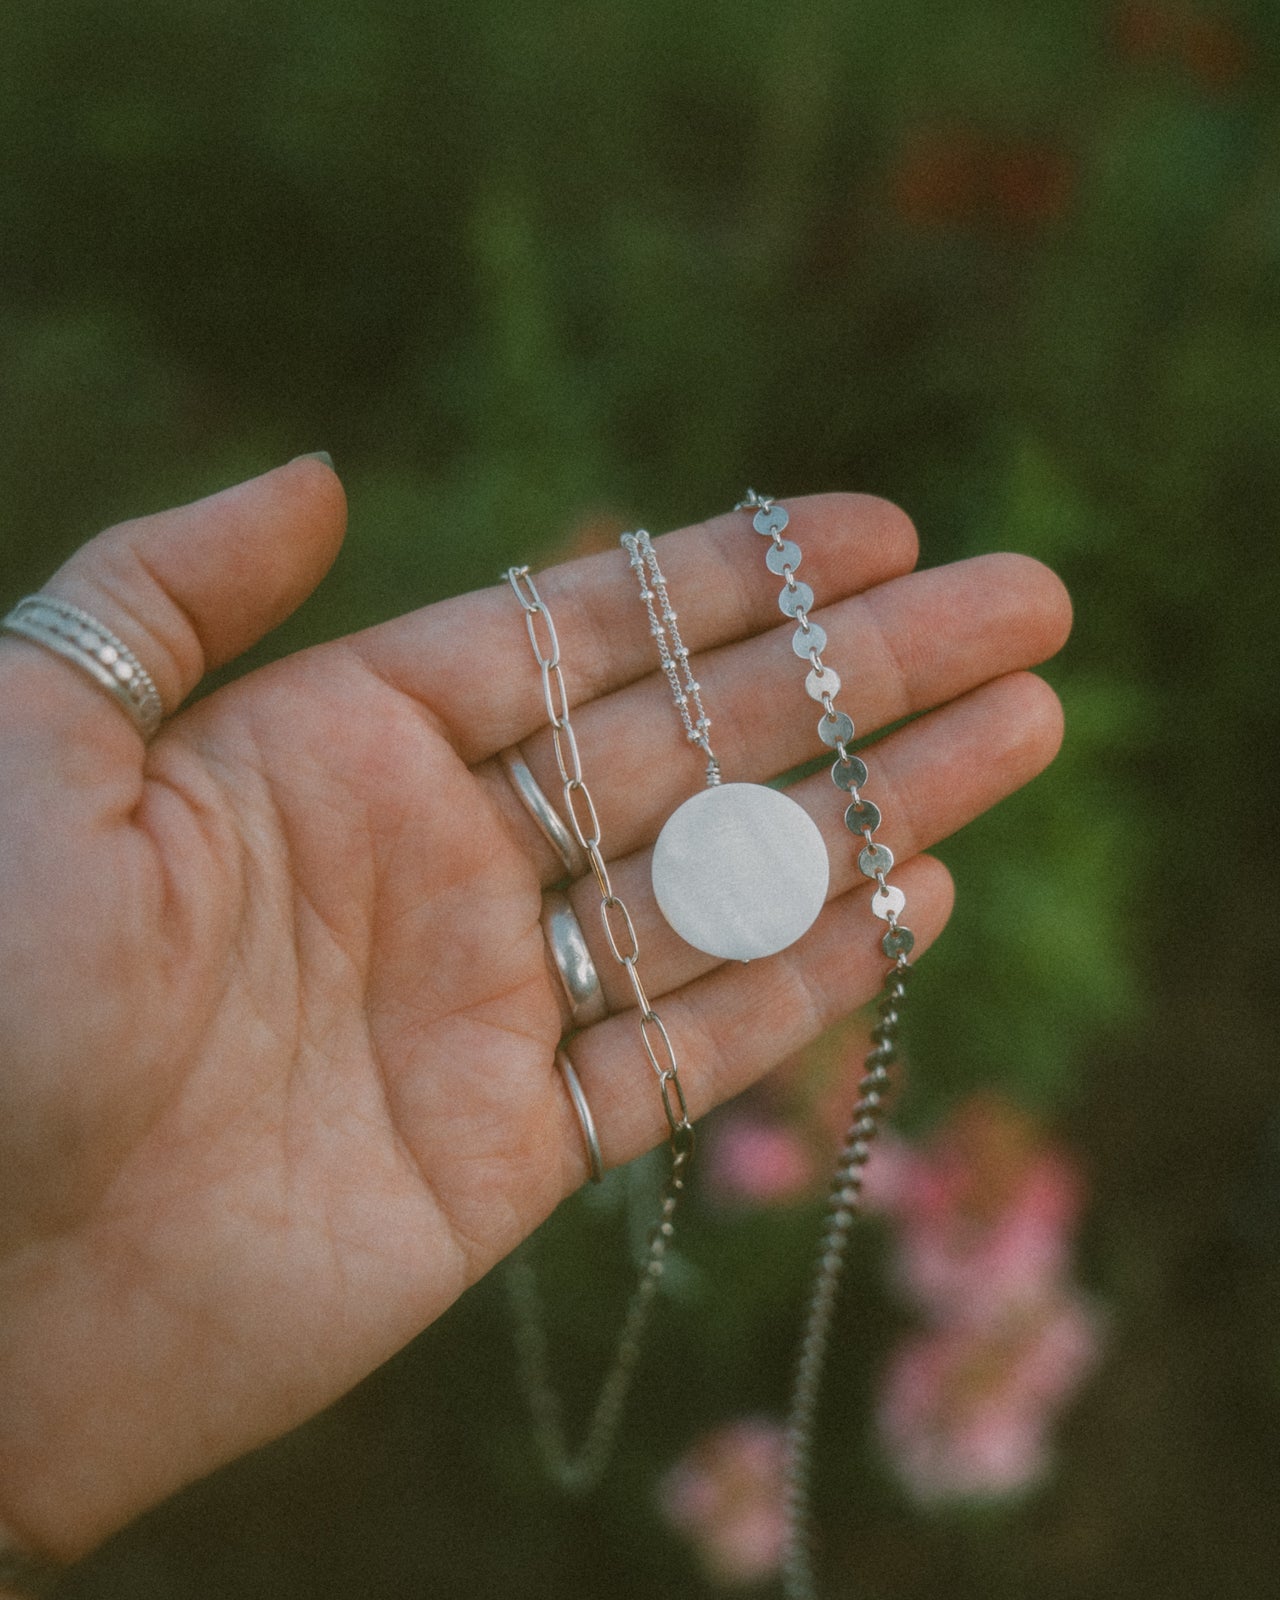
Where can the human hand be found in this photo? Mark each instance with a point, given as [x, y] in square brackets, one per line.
[276, 1014]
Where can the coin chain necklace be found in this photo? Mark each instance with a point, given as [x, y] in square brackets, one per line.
[578, 1471]
[875, 861]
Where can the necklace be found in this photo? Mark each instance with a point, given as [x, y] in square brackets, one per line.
[710, 843]
[875, 861]
[577, 1471]
[739, 870]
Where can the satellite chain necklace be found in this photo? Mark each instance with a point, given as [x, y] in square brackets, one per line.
[580, 1470]
[671, 648]
[875, 861]
[739, 870]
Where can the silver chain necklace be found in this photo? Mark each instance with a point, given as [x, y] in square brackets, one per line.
[875, 861]
[577, 1471]
[739, 870]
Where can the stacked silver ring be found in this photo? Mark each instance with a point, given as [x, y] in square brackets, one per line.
[566, 942]
[595, 1162]
[84, 641]
[577, 972]
[548, 819]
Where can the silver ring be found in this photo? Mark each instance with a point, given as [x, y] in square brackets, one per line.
[87, 644]
[585, 1120]
[568, 946]
[549, 820]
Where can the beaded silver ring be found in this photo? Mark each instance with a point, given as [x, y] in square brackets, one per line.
[84, 641]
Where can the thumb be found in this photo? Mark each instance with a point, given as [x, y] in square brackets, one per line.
[191, 588]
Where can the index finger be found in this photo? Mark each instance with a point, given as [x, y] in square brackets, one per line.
[456, 657]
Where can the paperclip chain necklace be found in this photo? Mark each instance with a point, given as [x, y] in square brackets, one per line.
[578, 1471]
[875, 861]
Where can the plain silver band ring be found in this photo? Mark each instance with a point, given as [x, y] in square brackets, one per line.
[549, 820]
[585, 1120]
[568, 946]
[87, 644]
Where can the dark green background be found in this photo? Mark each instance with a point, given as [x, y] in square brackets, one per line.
[520, 266]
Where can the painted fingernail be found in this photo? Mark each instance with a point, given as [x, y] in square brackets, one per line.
[318, 455]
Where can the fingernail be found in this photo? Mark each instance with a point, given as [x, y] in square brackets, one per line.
[318, 455]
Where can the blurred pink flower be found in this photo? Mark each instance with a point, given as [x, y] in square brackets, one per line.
[890, 1174]
[965, 1414]
[726, 1495]
[972, 1268]
[986, 1215]
[752, 1158]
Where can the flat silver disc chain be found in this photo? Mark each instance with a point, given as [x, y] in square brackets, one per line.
[578, 1471]
[875, 861]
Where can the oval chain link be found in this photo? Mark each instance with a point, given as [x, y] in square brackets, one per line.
[557, 704]
[588, 841]
[564, 739]
[600, 870]
[608, 905]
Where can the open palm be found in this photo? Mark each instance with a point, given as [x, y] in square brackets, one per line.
[277, 1019]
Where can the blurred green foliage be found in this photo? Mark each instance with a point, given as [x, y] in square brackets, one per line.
[523, 265]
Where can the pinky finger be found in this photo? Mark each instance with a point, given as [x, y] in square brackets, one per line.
[729, 1028]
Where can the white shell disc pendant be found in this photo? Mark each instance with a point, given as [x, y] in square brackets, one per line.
[740, 871]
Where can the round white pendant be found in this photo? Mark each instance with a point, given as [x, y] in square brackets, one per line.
[740, 871]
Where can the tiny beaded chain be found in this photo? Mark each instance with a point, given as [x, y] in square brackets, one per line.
[875, 861]
[671, 648]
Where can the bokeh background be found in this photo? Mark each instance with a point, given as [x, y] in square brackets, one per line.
[534, 271]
